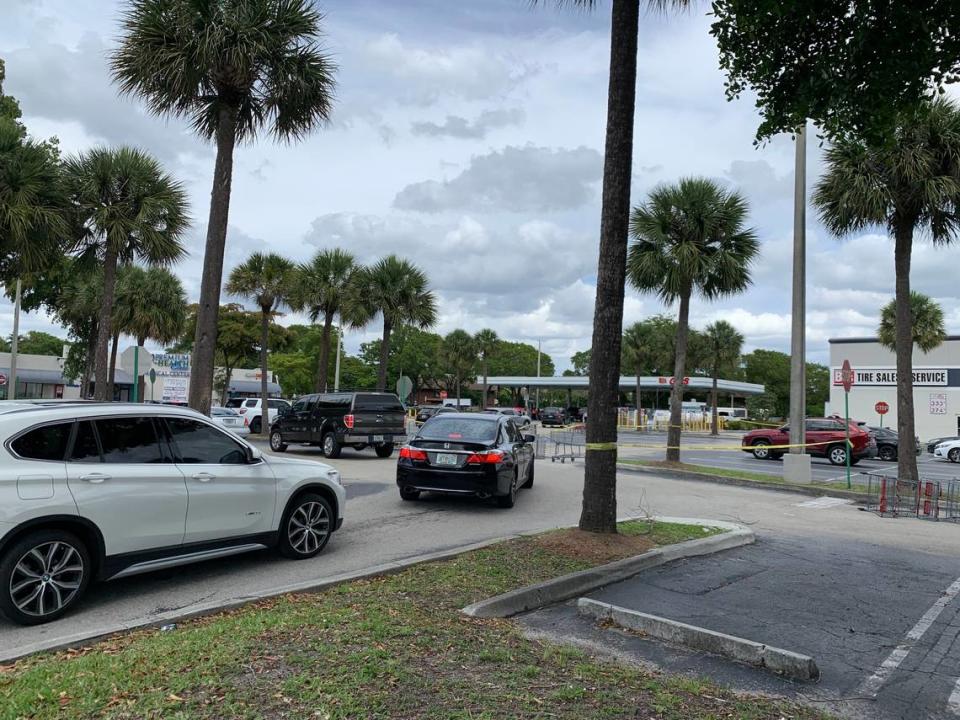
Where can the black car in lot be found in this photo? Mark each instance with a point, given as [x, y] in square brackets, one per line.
[485, 456]
[553, 416]
[334, 420]
[426, 412]
[888, 443]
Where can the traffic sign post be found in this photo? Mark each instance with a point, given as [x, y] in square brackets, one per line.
[846, 376]
[3, 380]
[153, 381]
[882, 409]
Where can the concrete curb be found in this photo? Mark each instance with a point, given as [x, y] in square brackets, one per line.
[813, 490]
[782, 662]
[578, 583]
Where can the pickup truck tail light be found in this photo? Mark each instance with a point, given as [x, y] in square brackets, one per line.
[490, 457]
[348, 421]
[410, 453]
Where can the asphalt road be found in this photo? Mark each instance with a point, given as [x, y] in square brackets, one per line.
[380, 528]
[723, 452]
[848, 604]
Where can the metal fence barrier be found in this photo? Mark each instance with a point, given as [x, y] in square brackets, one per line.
[889, 496]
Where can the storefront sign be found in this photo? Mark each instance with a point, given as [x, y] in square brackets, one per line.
[174, 390]
[938, 403]
[888, 376]
[172, 364]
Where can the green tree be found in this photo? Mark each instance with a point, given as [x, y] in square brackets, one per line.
[519, 358]
[926, 323]
[398, 291]
[36, 342]
[635, 349]
[852, 67]
[413, 352]
[581, 362]
[486, 342]
[130, 210]
[599, 512]
[235, 69]
[772, 370]
[264, 278]
[295, 371]
[322, 288]
[689, 238]
[459, 356]
[911, 183]
[725, 344]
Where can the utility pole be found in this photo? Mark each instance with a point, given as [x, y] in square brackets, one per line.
[336, 372]
[796, 466]
[14, 343]
[539, 343]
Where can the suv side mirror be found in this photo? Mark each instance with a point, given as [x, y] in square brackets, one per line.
[253, 455]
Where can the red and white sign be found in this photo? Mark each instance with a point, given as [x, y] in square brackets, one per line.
[846, 376]
[3, 379]
[882, 408]
[671, 380]
[443, 394]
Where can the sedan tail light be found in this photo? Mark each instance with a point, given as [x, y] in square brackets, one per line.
[348, 421]
[491, 457]
[410, 453]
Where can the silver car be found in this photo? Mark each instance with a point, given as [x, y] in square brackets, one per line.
[229, 419]
[95, 491]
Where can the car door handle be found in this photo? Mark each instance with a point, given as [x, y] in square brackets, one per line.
[94, 478]
[203, 476]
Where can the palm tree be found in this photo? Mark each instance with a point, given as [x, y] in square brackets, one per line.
[266, 279]
[131, 210]
[599, 513]
[486, 342]
[459, 352]
[234, 69]
[689, 237]
[78, 308]
[323, 289]
[908, 184]
[398, 291]
[635, 353]
[926, 323]
[724, 345]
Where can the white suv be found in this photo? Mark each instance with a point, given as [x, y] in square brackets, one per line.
[104, 490]
[252, 414]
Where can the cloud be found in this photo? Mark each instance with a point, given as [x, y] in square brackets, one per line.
[515, 179]
[459, 127]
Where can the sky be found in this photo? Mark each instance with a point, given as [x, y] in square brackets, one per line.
[468, 137]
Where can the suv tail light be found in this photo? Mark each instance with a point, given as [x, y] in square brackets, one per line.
[491, 457]
[412, 453]
[348, 421]
[243, 411]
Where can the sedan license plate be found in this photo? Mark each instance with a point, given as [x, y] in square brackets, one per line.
[446, 459]
[378, 438]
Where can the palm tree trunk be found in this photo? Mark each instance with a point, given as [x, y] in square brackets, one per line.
[264, 389]
[458, 393]
[906, 452]
[101, 369]
[599, 513]
[679, 368]
[113, 363]
[384, 357]
[142, 380]
[205, 340]
[323, 366]
[714, 421]
[486, 387]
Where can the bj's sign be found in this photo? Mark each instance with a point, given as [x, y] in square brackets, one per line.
[888, 376]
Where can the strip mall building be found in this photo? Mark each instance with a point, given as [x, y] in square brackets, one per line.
[936, 384]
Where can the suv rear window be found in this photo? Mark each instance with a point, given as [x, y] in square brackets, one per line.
[234, 402]
[44, 443]
[251, 403]
[377, 403]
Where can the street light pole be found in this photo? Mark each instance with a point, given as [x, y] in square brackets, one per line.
[797, 462]
[539, 343]
[336, 372]
[14, 347]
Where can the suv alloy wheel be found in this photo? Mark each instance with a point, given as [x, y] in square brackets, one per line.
[306, 527]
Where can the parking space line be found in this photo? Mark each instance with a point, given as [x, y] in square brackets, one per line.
[871, 686]
[953, 704]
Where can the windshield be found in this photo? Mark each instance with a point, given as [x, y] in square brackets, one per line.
[459, 429]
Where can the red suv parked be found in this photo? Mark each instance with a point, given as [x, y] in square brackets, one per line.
[826, 437]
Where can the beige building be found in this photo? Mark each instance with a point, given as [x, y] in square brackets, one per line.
[936, 384]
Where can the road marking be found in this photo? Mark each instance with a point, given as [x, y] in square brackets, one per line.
[872, 684]
[824, 502]
[953, 704]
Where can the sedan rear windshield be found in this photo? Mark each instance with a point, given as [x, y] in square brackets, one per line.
[459, 429]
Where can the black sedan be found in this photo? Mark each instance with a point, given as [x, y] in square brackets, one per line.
[428, 411]
[553, 416]
[888, 443]
[485, 456]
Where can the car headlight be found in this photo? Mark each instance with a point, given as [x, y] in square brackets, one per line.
[334, 476]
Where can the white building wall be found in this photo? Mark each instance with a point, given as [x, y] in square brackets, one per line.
[936, 393]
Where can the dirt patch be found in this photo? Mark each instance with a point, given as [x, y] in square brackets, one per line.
[592, 547]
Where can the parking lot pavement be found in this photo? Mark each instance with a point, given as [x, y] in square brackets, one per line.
[700, 450]
[850, 605]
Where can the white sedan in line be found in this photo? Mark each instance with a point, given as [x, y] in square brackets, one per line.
[229, 419]
[949, 450]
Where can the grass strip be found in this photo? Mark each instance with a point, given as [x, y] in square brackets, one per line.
[389, 647]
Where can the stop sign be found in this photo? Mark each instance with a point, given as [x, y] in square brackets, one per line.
[882, 408]
[3, 379]
[846, 376]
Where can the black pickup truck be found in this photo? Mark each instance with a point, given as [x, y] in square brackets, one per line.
[334, 420]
